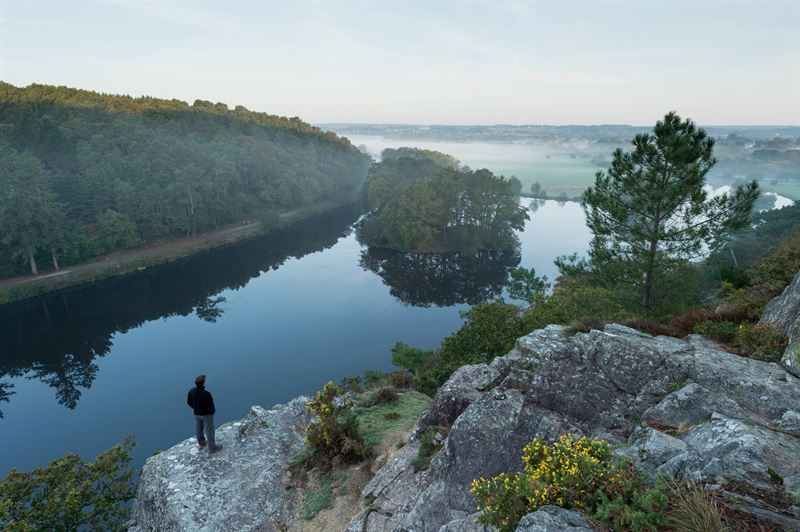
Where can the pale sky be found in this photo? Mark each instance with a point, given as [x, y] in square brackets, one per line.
[424, 62]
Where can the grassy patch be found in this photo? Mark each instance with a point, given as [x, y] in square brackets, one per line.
[317, 500]
[376, 422]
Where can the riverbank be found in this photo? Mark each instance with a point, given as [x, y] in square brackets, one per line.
[121, 263]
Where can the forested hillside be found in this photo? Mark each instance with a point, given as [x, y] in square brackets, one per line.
[85, 173]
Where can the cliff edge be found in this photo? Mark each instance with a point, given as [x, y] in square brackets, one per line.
[683, 407]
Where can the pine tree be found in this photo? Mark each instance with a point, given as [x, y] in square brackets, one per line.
[650, 210]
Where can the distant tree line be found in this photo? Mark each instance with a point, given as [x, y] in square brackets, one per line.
[84, 173]
[417, 203]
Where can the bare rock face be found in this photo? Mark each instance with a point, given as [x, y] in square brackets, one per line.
[241, 487]
[680, 406]
[783, 313]
[553, 519]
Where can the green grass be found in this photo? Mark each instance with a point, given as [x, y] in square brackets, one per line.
[375, 424]
[317, 500]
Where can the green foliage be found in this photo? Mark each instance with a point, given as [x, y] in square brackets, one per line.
[417, 205]
[572, 301]
[632, 505]
[334, 436]
[31, 219]
[373, 378]
[574, 473]
[490, 329]
[70, 494]
[761, 342]
[524, 285]
[722, 331]
[96, 172]
[442, 159]
[114, 231]
[650, 209]
[410, 358]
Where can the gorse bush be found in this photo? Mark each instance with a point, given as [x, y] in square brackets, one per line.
[334, 435]
[576, 473]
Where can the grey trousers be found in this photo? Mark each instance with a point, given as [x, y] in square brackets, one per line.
[208, 422]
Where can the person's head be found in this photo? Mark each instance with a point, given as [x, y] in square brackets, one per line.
[200, 380]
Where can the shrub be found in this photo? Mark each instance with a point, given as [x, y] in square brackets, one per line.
[400, 379]
[576, 473]
[70, 494]
[381, 396]
[722, 331]
[628, 503]
[334, 435]
[373, 378]
[761, 342]
[410, 358]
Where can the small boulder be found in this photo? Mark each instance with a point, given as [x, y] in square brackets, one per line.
[553, 519]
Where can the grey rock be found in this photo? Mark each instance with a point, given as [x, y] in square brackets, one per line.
[651, 449]
[783, 313]
[553, 519]
[691, 405]
[791, 484]
[778, 518]
[731, 418]
[742, 451]
[465, 524]
[240, 488]
[463, 387]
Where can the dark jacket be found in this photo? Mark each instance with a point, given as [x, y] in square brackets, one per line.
[201, 401]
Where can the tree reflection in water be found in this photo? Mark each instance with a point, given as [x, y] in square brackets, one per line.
[56, 338]
[442, 279]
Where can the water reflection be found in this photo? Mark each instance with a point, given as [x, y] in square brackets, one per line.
[442, 279]
[56, 338]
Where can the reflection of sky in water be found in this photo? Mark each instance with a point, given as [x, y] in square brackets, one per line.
[284, 333]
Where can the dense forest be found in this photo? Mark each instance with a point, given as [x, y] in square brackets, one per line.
[420, 201]
[85, 173]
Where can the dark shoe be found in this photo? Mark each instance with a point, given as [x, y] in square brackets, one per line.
[216, 449]
[201, 444]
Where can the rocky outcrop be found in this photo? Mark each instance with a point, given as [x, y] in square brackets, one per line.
[783, 313]
[683, 407]
[243, 487]
[553, 519]
[679, 406]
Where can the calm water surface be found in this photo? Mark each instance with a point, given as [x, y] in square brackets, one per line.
[266, 320]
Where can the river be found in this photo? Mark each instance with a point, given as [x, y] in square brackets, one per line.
[266, 320]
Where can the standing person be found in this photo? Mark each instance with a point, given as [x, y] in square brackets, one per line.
[203, 405]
